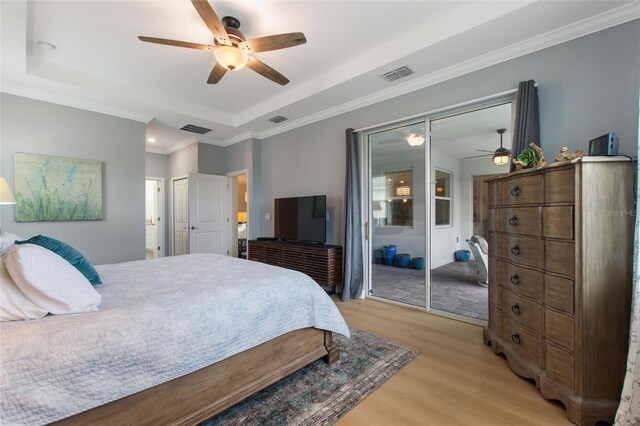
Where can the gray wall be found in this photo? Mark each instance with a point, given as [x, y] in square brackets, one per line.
[587, 87]
[36, 127]
[183, 161]
[157, 165]
[211, 159]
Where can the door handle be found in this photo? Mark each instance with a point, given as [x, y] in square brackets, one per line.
[193, 227]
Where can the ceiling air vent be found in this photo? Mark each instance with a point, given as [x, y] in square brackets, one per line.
[396, 74]
[195, 129]
[278, 119]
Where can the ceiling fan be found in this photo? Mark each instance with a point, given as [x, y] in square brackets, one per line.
[231, 48]
[500, 156]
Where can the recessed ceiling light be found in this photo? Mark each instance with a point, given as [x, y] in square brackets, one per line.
[46, 46]
[151, 140]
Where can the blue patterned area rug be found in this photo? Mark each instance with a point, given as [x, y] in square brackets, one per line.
[319, 394]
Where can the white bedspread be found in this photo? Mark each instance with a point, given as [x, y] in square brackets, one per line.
[158, 320]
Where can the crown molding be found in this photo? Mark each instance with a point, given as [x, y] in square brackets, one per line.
[552, 38]
[241, 137]
[25, 92]
[180, 145]
[155, 150]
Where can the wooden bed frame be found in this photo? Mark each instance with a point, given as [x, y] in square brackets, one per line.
[196, 397]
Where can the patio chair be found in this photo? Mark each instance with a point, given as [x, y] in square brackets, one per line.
[480, 250]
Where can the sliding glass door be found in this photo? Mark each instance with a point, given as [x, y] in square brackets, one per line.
[397, 212]
[461, 150]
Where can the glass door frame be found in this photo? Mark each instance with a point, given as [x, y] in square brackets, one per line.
[367, 216]
[366, 202]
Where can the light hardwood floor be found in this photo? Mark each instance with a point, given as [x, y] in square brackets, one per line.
[456, 380]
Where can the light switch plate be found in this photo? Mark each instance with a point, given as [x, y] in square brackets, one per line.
[267, 216]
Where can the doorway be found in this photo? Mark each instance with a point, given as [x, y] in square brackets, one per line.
[426, 200]
[154, 218]
[239, 202]
[200, 214]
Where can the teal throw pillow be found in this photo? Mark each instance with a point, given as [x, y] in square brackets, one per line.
[68, 253]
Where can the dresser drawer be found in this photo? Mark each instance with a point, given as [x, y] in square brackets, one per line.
[558, 293]
[560, 257]
[522, 281]
[558, 222]
[521, 190]
[522, 250]
[560, 364]
[559, 186]
[520, 221]
[559, 329]
[524, 311]
[525, 342]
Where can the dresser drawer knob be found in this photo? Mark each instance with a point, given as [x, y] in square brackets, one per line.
[515, 338]
[515, 191]
[516, 309]
[513, 221]
[515, 250]
[515, 279]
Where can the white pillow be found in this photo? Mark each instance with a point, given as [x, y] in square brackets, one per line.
[14, 305]
[6, 242]
[49, 281]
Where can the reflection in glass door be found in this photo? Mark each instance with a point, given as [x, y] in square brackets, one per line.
[462, 147]
[398, 213]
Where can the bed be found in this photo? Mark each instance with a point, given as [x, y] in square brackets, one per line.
[176, 341]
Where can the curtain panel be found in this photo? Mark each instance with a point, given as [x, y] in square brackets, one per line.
[629, 408]
[353, 263]
[526, 127]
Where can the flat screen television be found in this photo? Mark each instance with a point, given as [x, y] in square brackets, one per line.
[301, 219]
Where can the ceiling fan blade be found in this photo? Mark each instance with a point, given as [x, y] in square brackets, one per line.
[266, 71]
[217, 73]
[484, 150]
[273, 42]
[212, 21]
[477, 156]
[176, 43]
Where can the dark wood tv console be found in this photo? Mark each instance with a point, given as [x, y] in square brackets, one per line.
[322, 262]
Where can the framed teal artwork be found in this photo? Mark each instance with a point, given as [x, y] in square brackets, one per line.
[49, 189]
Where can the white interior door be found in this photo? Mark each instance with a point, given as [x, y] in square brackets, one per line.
[208, 214]
[180, 217]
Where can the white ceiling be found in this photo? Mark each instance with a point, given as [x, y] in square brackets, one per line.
[100, 65]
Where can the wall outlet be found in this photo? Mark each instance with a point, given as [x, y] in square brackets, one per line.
[267, 216]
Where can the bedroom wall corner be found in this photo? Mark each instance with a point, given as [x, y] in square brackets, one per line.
[37, 127]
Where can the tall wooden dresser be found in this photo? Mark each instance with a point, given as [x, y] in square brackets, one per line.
[560, 265]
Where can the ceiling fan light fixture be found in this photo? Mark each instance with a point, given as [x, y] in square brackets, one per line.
[415, 140]
[501, 157]
[231, 57]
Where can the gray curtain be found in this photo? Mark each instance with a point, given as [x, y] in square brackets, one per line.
[353, 267]
[526, 128]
